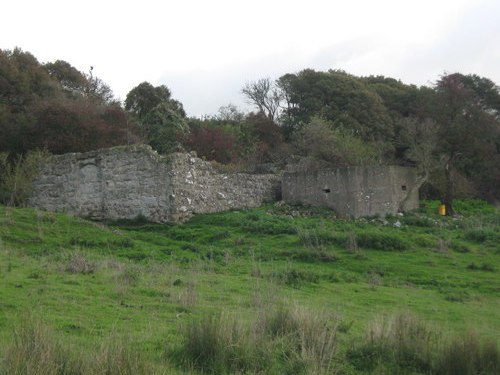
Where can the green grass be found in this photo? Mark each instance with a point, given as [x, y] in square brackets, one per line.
[143, 283]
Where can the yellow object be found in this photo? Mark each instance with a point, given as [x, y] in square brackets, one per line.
[442, 210]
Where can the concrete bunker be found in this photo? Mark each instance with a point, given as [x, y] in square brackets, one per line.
[354, 191]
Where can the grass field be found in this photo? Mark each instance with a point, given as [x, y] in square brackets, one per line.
[272, 290]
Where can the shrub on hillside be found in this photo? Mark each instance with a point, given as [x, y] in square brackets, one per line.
[17, 176]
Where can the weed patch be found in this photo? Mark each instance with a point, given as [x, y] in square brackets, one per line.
[78, 263]
[295, 278]
[459, 247]
[381, 241]
[483, 267]
[481, 235]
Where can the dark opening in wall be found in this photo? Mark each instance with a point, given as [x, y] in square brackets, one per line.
[403, 187]
[326, 190]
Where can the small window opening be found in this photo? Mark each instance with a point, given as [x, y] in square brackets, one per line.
[403, 187]
[326, 190]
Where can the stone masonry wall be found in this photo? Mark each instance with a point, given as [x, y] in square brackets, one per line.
[354, 191]
[198, 188]
[114, 183]
[124, 182]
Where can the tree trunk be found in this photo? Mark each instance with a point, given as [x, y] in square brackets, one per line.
[448, 191]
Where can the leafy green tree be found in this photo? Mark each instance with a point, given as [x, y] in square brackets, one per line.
[165, 127]
[22, 80]
[161, 118]
[144, 97]
[340, 98]
[77, 84]
[56, 107]
[23, 83]
[72, 80]
[401, 100]
[469, 134]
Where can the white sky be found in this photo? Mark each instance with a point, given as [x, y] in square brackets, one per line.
[205, 51]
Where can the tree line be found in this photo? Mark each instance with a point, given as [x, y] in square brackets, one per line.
[449, 131]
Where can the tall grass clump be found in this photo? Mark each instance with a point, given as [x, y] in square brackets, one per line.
[77, 262]
[307, 339]
[401, 343]
[405, 344]
[115, 356]
[219, 343]
[283, 340]
[36, 350]
[467, 355]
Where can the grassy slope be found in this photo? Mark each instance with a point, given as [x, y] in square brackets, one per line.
[90, 281]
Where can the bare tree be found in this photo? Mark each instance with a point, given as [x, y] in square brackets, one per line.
[230, 113]
[265, 95]
[421, 138]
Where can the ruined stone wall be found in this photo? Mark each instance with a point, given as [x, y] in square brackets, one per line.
[354, 191]
[124, 182]
[115, 183]
[198, 188]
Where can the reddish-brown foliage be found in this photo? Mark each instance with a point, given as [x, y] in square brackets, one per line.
[212, 143]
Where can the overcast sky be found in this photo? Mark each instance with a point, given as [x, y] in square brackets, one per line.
[205, 51]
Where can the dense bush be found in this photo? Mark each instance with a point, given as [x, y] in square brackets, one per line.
[56, 107]
[212, 143]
